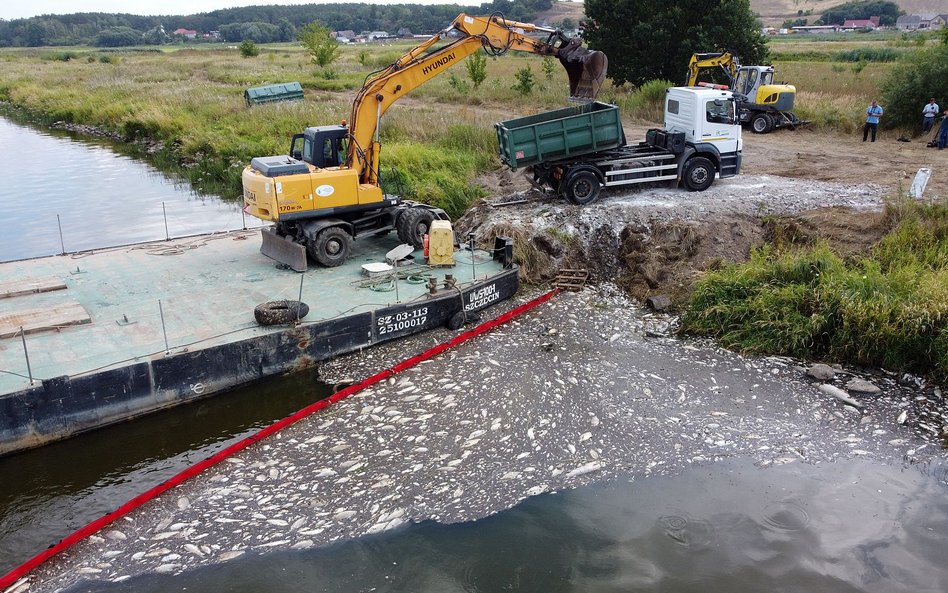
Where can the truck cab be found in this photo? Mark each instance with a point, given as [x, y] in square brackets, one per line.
[709, 119]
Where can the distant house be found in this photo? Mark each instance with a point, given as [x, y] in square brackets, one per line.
[815, 28]
[186, 33]
[855, 24]
[345, 36]
[374, 35]
[921, 22]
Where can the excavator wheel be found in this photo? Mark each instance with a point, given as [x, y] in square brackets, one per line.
[582, 188]
[331, 247]
[762, 123]
[698, 174]
[413, 225]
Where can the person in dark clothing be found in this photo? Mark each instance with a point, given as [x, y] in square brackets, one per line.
[873, 113]
[943, 132]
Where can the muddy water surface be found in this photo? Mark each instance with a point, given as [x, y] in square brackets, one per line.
[102, 198]
[841, 527]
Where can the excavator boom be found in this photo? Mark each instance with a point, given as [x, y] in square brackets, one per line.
[585, 69]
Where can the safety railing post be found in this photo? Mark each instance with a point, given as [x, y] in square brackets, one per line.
[26, 353]
[62, 244]
[164, 332]
[164, 213]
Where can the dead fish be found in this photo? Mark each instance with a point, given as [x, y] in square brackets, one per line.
[839, 394]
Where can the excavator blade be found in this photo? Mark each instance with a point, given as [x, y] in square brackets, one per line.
[585, 68]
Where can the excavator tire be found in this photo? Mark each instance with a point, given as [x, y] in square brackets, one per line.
[762, 123]
[280, 312]
[413, 225]
[331, 247]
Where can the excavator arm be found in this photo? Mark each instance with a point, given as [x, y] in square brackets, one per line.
[586, 71]
[726, 61]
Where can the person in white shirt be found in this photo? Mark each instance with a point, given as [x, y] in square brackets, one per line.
[929, 112]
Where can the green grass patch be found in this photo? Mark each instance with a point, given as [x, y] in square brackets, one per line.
[889, 308]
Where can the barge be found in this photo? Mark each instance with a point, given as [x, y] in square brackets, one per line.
[92, 339]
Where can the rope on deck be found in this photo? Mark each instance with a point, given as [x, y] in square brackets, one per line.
[13, 577]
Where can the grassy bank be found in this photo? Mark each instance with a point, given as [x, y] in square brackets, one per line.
[186, 109]
[889, 308]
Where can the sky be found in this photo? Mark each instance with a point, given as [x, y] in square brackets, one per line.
[17, 9]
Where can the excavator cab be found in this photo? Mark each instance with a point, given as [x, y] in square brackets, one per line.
[321, 146]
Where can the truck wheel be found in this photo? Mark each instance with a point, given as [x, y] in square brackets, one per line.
[413, 225]
[331, 247]
[762, 123]
[698, 174]
[582, 188]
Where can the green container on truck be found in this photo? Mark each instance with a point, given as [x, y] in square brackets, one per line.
[576, 151]
[563, 133]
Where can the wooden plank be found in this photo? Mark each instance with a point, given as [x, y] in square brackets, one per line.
[45, 319]
[12, 288]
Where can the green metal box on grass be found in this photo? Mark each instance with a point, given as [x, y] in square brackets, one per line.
[287, 91]
[559, 134]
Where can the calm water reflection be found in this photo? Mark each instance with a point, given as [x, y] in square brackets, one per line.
[103, 198]
[47, 493]
[726, 528]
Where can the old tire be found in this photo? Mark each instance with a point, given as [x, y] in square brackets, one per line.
[456, 321]
[413, 225]
[280, 312]
[762, 123]
[698, 174]
[582, 187]
[331, 247]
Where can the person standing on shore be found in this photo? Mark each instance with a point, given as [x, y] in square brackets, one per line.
[943, 132]
[929, 112]
[873, 113]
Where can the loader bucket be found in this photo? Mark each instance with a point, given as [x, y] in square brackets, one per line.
[585, 68]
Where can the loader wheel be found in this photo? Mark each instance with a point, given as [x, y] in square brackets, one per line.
[698, 174]
[280, 312]
[762, 123]
[582, 188]
[331, 247]
[413, 225]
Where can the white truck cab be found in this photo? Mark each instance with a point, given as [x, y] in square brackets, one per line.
[704, 114]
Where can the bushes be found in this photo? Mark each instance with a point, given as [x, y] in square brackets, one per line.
[921, 76]
[647, 101]
[868, 54]
[812, 304]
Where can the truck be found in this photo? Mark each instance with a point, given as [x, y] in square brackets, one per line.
[576, 151]
[761, 103]
[328, 191]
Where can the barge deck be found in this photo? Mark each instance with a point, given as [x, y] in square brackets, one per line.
[110, 335]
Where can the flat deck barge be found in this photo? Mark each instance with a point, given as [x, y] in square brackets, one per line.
[110, 335]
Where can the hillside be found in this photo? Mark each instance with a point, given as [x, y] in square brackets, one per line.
[771, 11]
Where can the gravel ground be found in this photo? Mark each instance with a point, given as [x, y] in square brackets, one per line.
[584, 388]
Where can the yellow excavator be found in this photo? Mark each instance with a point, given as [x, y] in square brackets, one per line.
[763, 105]
[327, 190]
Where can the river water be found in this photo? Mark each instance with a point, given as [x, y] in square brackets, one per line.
[103, 198]
[732, 527]
[848, 526]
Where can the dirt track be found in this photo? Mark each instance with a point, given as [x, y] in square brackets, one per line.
[658, 240]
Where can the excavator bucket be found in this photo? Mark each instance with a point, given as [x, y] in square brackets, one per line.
[585, 68]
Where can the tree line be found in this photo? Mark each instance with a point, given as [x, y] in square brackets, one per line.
[261, 24]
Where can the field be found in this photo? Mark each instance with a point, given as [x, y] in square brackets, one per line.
[183, 107]
[187, 102]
